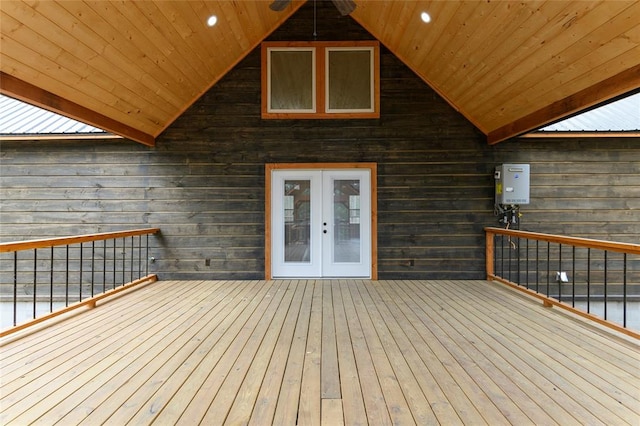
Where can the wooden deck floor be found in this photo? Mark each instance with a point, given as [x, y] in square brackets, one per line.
[320, 352]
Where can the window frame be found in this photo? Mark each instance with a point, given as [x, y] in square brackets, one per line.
[321, 51]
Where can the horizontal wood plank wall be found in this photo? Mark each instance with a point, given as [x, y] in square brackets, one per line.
[203, 184]
[585, 188]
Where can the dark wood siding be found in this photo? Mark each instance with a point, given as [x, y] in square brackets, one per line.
[582, 187]
[203, 184]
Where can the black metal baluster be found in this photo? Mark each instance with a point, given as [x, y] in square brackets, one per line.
[527, 263]
[624, 290]
[519, 271]
[147, 257]
[588, 280]
[605, 283]
[573, 277]
[124, 260]
[560, 270]
[502, 237]
[509, 259]
[115, 256]
[81, 260]
[104, 266]
[55, 266]
[548, 266]
[66, 291]
[537, 266]
[132, 251]
[15, 288]
[51, 284]
[93, 266]
[495, 254]
[35, 281]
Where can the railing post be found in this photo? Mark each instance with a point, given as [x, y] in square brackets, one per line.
[489, 253]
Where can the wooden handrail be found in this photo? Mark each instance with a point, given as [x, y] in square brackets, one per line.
[628, 248]
[77, 239]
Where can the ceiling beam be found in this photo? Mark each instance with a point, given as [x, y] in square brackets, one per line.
[21, 90]
[619, 84]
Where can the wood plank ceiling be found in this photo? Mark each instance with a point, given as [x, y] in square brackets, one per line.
[133, 67]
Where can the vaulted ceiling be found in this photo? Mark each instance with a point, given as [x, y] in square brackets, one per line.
[133, 67]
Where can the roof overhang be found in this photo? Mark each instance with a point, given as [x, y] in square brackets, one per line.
[132, 68]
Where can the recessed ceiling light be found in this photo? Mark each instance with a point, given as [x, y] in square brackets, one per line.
[426, 18]
[212, 20]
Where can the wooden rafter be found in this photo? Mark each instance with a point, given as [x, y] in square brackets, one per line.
[16, 88]
[621, 83]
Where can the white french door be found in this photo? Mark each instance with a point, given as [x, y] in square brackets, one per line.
[321, 223]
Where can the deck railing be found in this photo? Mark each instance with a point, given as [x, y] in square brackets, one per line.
[596, 279]
[43, 278]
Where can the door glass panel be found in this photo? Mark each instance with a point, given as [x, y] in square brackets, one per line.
[346, 221]
[297, 224]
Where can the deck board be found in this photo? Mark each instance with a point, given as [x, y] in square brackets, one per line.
[507, 359]
[329, 373]
[488, 352]
[576, 371]
[404, 400]
[430, 319]
[348, 372]
[311, 388]
[155, 360]
[288, 398]
[315, 352]
[374, 403]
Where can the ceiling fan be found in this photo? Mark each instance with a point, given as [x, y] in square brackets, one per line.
[345, 7]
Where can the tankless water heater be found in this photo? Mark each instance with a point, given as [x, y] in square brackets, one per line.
[512, 184]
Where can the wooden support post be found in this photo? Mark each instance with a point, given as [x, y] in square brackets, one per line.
[489, 253]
